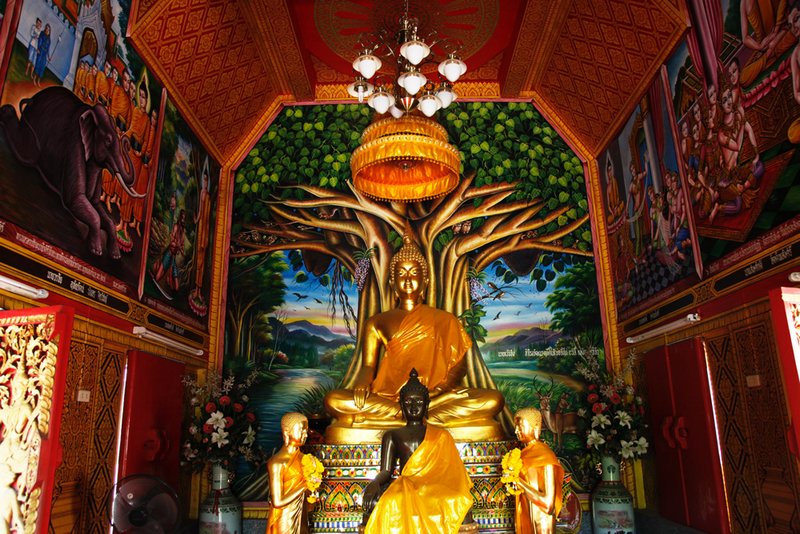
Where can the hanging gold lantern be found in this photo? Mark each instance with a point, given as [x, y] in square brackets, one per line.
[404, 160]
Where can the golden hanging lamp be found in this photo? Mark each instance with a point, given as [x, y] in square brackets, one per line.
[405, 160]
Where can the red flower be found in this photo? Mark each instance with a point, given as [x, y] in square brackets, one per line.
[593, 397]
[224, 400]
[238, 408]
[592, 387]
[641, 410]
[598, 407]
[208, 429]
[615, 398]
[250, 416]
[228, 422]
[211, 407]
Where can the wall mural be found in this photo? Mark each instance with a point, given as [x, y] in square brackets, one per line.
[649, 221]
[300, 286]
[79, 126]
[179, 255]
[724, 142]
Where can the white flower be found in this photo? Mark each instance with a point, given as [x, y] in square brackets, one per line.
[628, 448]
[193, 429]
[220, 438]
[641, 446]
[594, 439]
[249, 436]
[581, 412]
[217, 420]
[245, 398]
[600, 420]
[188, 452]
[195, 401]
[624, 419]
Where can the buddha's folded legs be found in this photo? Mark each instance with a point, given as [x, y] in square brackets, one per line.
[463, 406]
[376, 410]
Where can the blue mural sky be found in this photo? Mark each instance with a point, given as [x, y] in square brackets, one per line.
[520, 306]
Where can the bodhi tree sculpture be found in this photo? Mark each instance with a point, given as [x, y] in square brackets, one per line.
[521, 198]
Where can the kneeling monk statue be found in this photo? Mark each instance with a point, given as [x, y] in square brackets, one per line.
[412, 335]
[432, 492]
[539, 503]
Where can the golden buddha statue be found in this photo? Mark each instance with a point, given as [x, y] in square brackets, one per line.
[412, 335]
[287, 484]
[540, 501]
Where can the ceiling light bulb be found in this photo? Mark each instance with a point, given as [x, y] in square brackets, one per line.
[429, 104]
[452, 68]
[367, 65]
[415, 51]
[412, 81]
[360, 88]
[381, 101]
[446, 94]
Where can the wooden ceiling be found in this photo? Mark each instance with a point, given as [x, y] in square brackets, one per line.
[230, 64]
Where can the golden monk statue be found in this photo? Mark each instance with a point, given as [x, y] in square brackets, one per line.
[431, 494]
[412, 335]
[287, 484]
[540, 502]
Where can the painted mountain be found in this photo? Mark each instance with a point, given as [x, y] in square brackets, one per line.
[522, 339]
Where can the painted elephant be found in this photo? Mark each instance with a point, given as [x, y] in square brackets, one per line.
[70, 142]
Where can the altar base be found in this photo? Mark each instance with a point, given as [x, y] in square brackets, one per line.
[349, 468]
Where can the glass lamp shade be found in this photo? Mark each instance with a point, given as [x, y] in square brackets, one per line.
[395, 111]
[367, 65]
[360, 88]
[429, 104]
[446, 94]
[412, 81]
[452, 68]
[381, 101]
[415, 51]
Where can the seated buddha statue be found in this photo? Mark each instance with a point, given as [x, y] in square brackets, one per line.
[412, 335]
[432, 493]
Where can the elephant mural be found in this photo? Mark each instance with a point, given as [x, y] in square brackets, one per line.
[70, 143]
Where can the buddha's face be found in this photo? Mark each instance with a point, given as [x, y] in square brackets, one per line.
[409, 279]
[414, 406]
[297, 433]
[526, 430]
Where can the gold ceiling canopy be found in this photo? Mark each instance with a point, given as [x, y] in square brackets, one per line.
[405, 160]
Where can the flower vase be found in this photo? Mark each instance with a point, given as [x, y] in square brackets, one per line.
[612, 505]
[221, 511]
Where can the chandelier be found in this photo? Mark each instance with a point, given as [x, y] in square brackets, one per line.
[409, 88]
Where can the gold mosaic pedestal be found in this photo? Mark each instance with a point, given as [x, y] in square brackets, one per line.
[349, 468]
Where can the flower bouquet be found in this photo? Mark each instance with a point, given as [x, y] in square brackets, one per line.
[312, 472]
[614, 412]
[220, 426]
[512, 467]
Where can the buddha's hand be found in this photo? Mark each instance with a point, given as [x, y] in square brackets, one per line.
[371, 495]
[360, 394]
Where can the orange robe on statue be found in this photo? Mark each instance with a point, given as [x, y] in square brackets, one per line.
[535, 457]
[431, 495]
[294, 513]
[428, 339]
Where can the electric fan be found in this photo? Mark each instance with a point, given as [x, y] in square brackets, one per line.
[144, 504]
